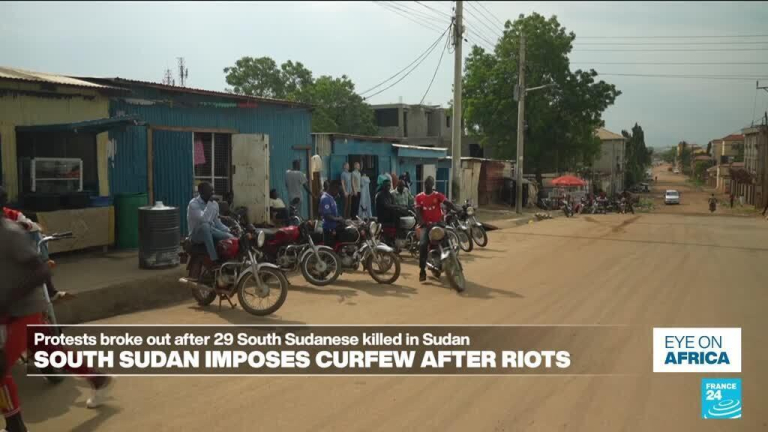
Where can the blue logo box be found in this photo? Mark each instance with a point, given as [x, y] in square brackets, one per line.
[721, 398]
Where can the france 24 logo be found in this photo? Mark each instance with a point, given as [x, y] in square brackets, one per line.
[705, 350]
[721, 398]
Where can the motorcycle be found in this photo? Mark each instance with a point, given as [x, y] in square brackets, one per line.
[712, 206]
[51, 374]
[476, 229]
[443, 258]
[357, 243]
[403, 236]
[295, 247]
[452, 219]
[567, 209]
[240, 274]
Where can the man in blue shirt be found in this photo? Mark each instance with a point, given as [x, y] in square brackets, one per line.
[203, 221]
[330, 214]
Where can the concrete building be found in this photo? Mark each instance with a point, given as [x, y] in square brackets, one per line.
[724, 151]
[609, 166]
[424, 126]
[756, 164]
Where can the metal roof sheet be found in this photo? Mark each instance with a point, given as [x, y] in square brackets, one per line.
[179, 89]
[14, 74]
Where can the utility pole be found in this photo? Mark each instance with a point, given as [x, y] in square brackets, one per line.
[458, 30]
[520, 125]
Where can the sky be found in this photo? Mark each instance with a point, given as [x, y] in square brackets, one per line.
[369, 42]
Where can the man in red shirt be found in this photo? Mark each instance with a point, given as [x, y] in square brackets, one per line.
[428, 206]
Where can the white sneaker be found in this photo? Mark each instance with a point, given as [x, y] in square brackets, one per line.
[100, 395]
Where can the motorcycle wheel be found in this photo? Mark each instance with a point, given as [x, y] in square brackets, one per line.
[275, 280]
[455, 274]
[388, 261]
[203, 298]
[465, 241]
[453, 240]
[479, 236]
[412, 244]
[332, 272]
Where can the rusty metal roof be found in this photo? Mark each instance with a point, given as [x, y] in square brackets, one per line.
[14, 74]
[179, 89]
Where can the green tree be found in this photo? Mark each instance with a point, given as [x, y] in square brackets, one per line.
[337, 107]
[685, 158]
[560, 121]
[637, 156]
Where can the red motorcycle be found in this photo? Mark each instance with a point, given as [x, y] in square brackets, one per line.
[296, 247]
[261, 288]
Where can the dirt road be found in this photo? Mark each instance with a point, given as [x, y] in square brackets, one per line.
[641, 270]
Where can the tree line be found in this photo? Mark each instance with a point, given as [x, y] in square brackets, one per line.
[561, 120]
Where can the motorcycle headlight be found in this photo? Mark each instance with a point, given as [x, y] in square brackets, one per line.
[470, 211]
[436, 234]
[260, 239]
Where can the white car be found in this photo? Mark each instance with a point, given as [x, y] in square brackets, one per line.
[671, 197]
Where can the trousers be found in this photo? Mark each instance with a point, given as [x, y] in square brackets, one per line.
[209, 236]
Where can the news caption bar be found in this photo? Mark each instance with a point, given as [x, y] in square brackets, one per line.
[324, 350]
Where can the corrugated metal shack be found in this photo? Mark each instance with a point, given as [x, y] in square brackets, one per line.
[238, 143]
[53, 153]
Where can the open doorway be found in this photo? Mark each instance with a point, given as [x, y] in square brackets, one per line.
[369, 167]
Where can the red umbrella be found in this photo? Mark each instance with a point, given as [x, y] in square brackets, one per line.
[568, 181]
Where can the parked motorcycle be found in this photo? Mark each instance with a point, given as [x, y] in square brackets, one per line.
[443, 258]
[567, 208]
[357, 243]
[476, 229]
[295, 247]
[452, 219]
[403, 236]
[261, 288]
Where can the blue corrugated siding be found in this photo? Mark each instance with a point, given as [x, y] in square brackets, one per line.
[286, 127]
[173, 170]
[128, 161]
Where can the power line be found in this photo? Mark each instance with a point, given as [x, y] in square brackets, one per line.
[418, 61]
[417, 13]
[491, 14]
[397, 11]
[445, 48]
[672, 50]
[425, 53]
[495, 32]
[435, 10]
[675, 37]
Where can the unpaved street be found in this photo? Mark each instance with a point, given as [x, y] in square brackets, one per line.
[641, 270]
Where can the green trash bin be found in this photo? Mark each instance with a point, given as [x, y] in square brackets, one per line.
[127, 219]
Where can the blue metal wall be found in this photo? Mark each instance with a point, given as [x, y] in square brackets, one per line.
[286, 127]
[127, 163]
[174, 187]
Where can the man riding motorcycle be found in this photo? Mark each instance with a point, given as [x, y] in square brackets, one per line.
[22, 303]
[428, 205]
[203, 221]
[712, 203]
[387, 211]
